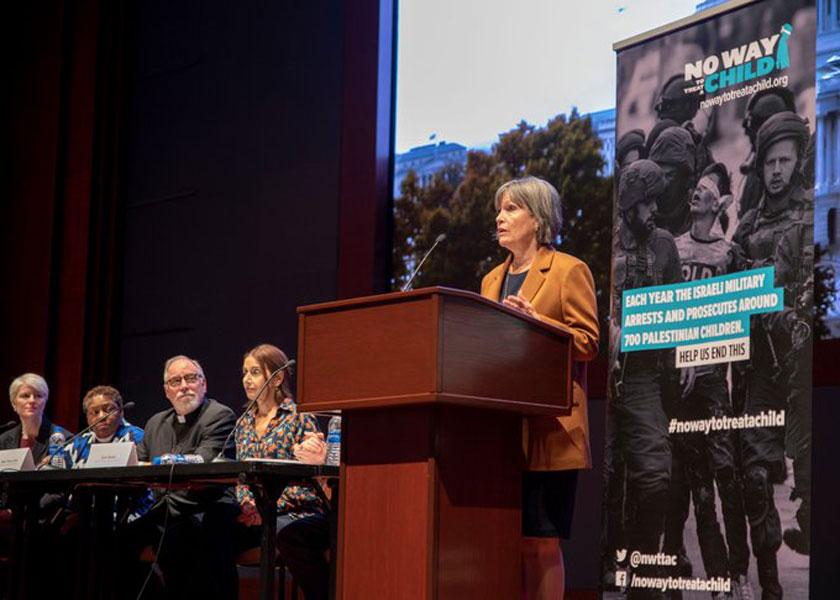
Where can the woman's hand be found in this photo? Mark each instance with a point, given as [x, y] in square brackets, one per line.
[522, 305]
[249, 516]
[312, 450]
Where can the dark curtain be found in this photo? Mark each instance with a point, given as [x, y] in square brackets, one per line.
[59, 216]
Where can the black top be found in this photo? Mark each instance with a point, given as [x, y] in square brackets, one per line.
[203, 432]
[11, 439]
[512, 284]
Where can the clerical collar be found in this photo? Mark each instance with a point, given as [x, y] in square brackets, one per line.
[190, 418]
[100, 440]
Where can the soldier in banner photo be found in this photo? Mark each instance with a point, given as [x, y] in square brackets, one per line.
[630, 148]
[784, 213]
[674, 103]
[675, 153]
[679, 106]
[794, 261]
[760, 107]
[644, 255]
[700, 460]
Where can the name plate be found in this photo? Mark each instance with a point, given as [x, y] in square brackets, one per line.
[118, 454]
[16, 459]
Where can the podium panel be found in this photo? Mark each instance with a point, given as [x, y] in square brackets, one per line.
[427, 346]
[432, 385]
[432, 508]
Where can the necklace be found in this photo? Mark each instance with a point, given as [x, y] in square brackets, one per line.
[522, 268]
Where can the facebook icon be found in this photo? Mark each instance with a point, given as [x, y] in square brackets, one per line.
[621, 578]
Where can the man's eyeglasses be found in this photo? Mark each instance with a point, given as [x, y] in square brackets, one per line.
[190, 378]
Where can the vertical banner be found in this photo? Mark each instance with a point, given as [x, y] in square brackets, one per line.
[708, 451]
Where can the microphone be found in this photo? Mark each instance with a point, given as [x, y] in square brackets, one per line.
[438, 240]
[7, 426]
[64, 444]
[220, 456]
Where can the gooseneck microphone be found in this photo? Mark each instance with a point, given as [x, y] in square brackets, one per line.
[220, 456]
[73, 438]
[438, 240]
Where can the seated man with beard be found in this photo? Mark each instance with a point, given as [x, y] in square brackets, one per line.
[197, 555]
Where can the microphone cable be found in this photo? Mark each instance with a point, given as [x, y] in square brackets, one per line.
[165, 502]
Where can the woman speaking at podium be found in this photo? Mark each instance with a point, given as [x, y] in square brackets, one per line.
[557, 288]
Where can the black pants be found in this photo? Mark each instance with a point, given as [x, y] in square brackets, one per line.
[198, 554]
[698, 459]
[798, 435]
[691, 477]
[762, 455]
[639, 427]
[301, 544]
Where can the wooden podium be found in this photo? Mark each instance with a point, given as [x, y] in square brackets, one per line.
[432, 385]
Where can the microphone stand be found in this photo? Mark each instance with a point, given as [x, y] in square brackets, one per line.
[438, 240]
[220, 456]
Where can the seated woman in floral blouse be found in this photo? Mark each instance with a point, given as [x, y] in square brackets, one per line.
[274, 429]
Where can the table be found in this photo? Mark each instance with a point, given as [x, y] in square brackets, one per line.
[22, 492]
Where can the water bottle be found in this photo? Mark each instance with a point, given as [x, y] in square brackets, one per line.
[178, 459]
[55, 450]
[334, 442]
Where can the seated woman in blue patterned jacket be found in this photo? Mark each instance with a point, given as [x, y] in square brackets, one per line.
[98, 402]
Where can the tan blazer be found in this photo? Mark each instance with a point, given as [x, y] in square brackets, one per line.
[561, 289]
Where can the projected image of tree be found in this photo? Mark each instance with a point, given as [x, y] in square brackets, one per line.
[459, 202]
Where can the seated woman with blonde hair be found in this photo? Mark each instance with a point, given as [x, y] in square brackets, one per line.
[29, 394]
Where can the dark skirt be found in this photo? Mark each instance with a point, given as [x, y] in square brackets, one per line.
[548, 503]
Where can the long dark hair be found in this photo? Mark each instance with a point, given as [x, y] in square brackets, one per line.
[270, 358]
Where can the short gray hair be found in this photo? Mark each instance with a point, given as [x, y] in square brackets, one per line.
[182, 357]
[542, 201]
[36, 382]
